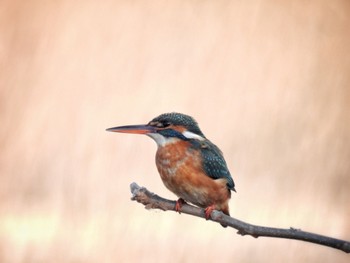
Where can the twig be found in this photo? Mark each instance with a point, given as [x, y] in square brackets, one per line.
[153, 201]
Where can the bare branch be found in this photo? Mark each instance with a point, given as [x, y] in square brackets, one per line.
[153, 201]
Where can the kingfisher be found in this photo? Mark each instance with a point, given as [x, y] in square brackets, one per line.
[190, 166]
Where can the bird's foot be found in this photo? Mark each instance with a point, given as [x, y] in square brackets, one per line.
[208, 210]
[179, 203]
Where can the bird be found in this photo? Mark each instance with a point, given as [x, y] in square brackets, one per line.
[190, 165]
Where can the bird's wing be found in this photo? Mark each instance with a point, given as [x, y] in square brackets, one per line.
[214, 163]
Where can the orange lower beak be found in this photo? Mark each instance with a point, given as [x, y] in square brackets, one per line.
[136, 129]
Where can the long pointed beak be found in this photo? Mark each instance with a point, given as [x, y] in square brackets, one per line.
[136, 129]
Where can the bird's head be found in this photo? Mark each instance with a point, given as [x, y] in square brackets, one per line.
[166, 128]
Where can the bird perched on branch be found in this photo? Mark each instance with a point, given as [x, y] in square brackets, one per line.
[190, 165]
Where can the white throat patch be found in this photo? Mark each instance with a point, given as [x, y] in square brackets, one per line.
[161, 140]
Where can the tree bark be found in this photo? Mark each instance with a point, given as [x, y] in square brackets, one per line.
[153, 201]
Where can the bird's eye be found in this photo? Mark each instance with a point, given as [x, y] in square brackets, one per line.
[162, 124]
[165, 124]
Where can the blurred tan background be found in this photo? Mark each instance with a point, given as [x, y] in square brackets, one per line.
[268, 82]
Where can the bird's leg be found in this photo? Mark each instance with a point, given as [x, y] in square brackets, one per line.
[179, 203]
[208, 210]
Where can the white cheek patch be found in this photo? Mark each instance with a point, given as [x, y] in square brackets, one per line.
[191, 135]
[161, 140]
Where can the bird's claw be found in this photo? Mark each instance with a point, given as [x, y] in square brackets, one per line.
[179, 203]
[208, 210]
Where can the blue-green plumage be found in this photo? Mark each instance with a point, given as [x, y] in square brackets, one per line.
[178, 119]
[189, 164]
[213, 161]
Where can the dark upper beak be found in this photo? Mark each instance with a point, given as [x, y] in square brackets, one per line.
[136, 129]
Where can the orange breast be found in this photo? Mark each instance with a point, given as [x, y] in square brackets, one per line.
[180, 168]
